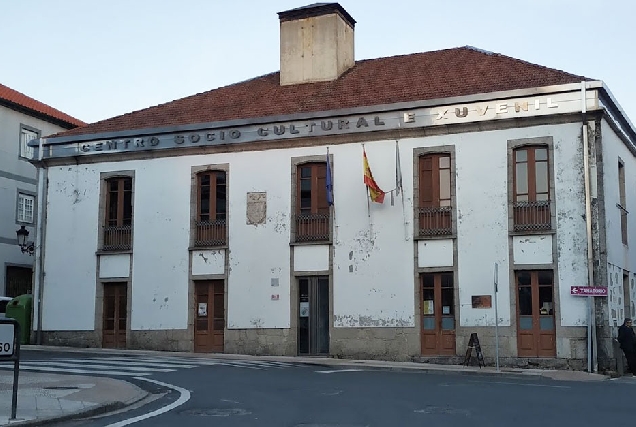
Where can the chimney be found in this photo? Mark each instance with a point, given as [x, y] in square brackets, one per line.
[316, 43]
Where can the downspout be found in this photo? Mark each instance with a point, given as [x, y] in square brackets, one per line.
[591, 340]
[39, 237]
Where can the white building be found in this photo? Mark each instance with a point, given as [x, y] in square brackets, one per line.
[204, 224]
[21, 119]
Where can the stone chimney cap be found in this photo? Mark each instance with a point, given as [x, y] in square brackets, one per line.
[317, 9]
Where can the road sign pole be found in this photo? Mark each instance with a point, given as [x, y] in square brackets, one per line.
[589, 333]
[496, 317]
[16, 371]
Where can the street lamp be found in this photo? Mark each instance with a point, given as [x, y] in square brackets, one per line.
[25, 246]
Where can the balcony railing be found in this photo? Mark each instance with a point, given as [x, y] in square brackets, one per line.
[211, 233]
[436, 221]
[532, 216]
[117, 238]
[312, 227]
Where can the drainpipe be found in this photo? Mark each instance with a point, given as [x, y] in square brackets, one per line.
[39, 237]
[591, 336]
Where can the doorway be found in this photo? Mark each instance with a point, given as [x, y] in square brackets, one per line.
[209, 315]
[313, 315]
[115, 315]
[438, 314]
[18, 281]
[536, 332]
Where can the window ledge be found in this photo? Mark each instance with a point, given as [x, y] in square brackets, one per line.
[435, 237]
[531, 232]
[312, 242]
[113, 252]
[207, 248]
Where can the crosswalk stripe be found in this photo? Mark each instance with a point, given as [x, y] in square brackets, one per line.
[95, 366]
[129, 363]
[76, 371]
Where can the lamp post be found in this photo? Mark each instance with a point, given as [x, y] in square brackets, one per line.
[25, 246]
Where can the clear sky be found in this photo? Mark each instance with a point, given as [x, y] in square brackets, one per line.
[98, 59]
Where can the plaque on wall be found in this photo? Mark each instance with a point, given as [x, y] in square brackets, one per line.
[481, 301]
[256, 208]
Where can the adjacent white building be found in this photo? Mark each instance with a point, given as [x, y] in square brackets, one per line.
[205, 224]
[22, 119]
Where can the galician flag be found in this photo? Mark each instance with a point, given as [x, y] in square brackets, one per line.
[375, 192]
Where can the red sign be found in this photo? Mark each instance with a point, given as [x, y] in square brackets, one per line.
[588, 291]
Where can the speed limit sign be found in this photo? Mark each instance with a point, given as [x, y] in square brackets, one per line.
[6, 339]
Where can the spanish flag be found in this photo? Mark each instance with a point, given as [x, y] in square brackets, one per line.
[375, 192]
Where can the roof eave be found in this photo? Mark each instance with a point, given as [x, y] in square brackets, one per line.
[38, 114]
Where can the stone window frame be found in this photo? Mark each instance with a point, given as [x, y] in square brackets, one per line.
[103, 194]
[24, 127]
[23, 192]
[194, 173]
[295, 163]
[624, 218]
[513, 144]
[417, 153]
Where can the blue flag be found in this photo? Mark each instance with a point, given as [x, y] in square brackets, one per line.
[329, 183]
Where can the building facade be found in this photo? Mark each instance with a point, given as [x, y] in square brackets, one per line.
[22, 119]
[239, 220]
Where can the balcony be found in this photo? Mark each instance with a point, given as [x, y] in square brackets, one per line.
[532, 216]
[435, 221]
[211, 233]
[313, 228]
[117, 238]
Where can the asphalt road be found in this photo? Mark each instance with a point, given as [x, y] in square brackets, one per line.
[314, 396]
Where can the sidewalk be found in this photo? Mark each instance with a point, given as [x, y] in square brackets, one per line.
[45, 397]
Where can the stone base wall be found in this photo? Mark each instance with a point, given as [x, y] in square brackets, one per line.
[81, 339]
[260, 342]
[165, 340]
[397, 344]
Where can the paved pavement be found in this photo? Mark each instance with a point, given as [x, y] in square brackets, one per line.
[68, 385]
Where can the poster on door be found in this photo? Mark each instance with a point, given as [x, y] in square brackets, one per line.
[203, 309]
[428, 307]
[304, 309]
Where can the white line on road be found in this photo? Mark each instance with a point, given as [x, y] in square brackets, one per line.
[73, 371]
[522, 384]
[183, 398]
[84, 364]
[339, 370]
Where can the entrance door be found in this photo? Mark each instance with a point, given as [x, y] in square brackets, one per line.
[18, 281]
[313, 315]
[438, 314]
[209, 315]
[536, 334]
[115, 314]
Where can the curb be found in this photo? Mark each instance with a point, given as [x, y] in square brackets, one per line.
[100, 409]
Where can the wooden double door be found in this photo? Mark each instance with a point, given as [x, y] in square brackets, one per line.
[115, 315]
[536, 331]
[313, 315]
[438, 314]
[209, 316]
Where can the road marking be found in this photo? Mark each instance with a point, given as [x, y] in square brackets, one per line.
[339, 370]
[77, 371]
[95, 366]
[521, 384]
[183, 398]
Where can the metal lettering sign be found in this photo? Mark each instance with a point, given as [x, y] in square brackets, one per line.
[588, 291]
[7, 333]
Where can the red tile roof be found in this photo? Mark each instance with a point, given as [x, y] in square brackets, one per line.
[406, 78]
[13, 97]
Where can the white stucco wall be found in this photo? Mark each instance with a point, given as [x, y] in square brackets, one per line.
[619, 256]
[208, 262]
[373, 270]
[112, 266]
[71, 241]
[435, 253]
[311, 258]
[532, 249]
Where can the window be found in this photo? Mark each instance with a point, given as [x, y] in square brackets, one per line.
[27, 135]
[435, 210]
[622, 202]
[26, 205]
[312, 208]
[119, 214]
[211, 219]
[531, 189]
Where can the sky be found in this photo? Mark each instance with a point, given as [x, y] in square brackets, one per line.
[99, 59]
